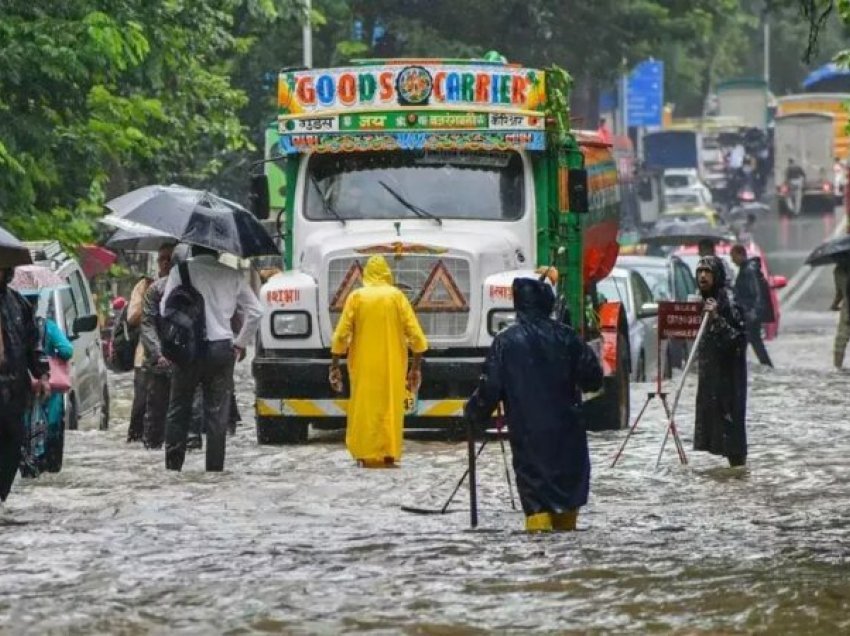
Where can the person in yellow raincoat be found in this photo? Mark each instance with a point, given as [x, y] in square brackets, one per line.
[376, 329]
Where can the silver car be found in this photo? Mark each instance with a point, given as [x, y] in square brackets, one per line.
[629, 288]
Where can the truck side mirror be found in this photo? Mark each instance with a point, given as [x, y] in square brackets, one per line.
[259, 196]
[578, 191]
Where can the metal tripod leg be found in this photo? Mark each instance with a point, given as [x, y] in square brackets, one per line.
[671, 428]
[649, 397]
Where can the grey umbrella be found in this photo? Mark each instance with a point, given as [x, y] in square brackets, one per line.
[147, 240]
[191, 216]
[12, 251]
[831, 252]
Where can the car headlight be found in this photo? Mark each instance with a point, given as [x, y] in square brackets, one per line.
[499, 319]
[291, 324]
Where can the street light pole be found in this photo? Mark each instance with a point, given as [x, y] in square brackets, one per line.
[766, 52]
[307, 34]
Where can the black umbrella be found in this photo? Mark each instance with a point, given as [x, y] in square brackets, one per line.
[686, 234]
[831, 252]
[148, 240]
[191, 216]
[12, 251]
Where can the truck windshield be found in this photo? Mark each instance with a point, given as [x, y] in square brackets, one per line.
[444, 185]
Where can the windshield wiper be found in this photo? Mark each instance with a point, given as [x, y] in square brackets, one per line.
[329, 209]
[424, 214]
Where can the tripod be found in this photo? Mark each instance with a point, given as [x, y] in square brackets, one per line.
[669, 412]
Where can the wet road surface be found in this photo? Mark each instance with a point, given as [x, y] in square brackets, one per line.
[299, 540]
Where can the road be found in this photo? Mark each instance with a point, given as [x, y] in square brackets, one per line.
[299, 540]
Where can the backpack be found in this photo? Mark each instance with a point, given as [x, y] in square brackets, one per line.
[182, 323]
[766, 312]
[125, 339]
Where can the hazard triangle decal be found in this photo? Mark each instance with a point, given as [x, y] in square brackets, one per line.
[440, 293]
[352, 280]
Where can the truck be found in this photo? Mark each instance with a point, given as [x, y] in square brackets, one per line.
[811, 129]
[746, 99]
[669, 149]
[464, 174]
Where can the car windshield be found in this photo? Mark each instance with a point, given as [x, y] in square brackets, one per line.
[613, 289]
[657, 280]
[685, 199]
[676, 180]
[405, 184]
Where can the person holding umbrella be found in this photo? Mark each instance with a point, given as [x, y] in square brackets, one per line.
[224, 290]
[213, 291]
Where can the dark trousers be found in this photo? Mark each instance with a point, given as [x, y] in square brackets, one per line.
[158, 391]
[214, 373]
[754, 338]
[12, 435]
[137, 411]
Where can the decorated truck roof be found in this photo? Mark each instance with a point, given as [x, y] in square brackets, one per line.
[412, 104]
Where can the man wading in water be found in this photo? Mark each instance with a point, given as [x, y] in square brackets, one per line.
[538, 368]
[722, 390]
[376, 329]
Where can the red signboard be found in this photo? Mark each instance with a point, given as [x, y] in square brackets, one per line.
[679, 320]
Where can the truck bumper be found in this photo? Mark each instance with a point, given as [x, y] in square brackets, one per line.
[298, 387]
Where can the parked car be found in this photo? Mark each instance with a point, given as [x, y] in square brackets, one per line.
[690, 256]
[668, 279]
[74, 309]
[631, 289]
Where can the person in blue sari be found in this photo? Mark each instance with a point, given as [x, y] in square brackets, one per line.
[55, 345]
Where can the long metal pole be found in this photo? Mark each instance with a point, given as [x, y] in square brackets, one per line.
[766, 52]
[307, 34]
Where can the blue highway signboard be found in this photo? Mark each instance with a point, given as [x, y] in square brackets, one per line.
[645, 95]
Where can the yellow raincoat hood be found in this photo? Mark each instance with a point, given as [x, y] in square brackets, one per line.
[377, 272]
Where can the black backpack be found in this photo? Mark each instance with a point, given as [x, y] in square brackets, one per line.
[125, 339]
[182, 323]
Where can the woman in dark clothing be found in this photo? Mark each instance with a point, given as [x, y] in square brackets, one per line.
[20, 359]
[538, 368]
[722, 390]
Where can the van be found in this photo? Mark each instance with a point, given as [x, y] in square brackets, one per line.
[73, 307]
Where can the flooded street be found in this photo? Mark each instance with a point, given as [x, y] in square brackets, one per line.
[299, 540]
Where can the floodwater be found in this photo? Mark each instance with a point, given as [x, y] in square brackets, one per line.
[299, 540]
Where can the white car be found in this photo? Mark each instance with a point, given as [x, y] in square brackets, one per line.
[686, 181]
[631, 289]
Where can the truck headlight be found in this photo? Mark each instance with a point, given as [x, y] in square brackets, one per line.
[291, 324]
[499, 319]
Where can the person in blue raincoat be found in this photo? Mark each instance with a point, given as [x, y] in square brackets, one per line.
[538, 368]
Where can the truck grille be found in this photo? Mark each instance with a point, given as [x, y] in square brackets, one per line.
[436, 285]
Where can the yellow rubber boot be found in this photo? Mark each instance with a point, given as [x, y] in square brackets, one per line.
[541, 522]
[565, 521]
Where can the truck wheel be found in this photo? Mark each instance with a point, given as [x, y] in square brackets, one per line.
[282, 430]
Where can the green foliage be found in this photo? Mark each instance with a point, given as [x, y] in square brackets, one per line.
[98, 97]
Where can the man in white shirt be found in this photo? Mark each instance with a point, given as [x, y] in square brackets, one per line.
[224, 290]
